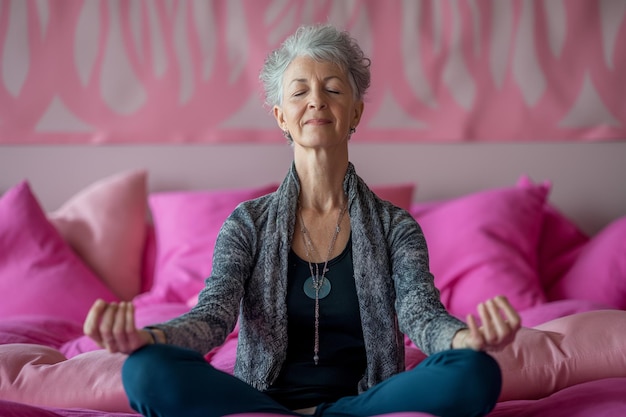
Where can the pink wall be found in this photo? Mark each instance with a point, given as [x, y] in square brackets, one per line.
[178, 71]
[519, 86]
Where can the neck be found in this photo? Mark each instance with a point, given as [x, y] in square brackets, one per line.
[321, 183]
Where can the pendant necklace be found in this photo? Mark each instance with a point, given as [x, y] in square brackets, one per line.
[317, 286]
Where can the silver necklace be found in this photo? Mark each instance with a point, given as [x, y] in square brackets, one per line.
[317, 286]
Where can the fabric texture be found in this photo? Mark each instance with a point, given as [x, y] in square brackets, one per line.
[485, 244]
[39, 273]
[91, 380]
[560, 240]
[599, 272]
[186, 227]
[562, 353]
[105, 224]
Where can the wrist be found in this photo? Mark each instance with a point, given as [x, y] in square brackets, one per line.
[153, 337]
[459, 341]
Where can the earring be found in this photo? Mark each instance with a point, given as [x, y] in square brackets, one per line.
[287, 135]
[352, 130]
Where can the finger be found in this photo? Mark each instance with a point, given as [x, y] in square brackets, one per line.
[106, 327]
[500, 326]
[132, 336]
[92, 321]
[135, 339]
[475, 337]
[130, 319]
[512, 317]
[487, 325]
[119, 327]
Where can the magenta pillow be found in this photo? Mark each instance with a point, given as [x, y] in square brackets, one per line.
[560, 244]
[105, 223]
[186, 228]
[39, 272]
[599, 272]
[485, 244]
[560, 241]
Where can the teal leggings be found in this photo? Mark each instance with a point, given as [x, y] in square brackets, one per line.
[168, 381]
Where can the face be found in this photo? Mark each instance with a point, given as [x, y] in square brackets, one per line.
[318, 105]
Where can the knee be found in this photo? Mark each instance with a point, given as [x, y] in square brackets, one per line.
[139, 368]
[483, 379]
[474, 377]
[151, 368]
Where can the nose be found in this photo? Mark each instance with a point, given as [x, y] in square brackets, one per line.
[316, 100]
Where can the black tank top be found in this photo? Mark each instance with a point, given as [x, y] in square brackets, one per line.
[342, 360]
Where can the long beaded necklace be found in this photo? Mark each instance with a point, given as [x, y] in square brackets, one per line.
[317, 286]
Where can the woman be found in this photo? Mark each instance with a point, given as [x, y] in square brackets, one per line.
[325, 279]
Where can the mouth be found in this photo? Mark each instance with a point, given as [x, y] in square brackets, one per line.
[317, 122]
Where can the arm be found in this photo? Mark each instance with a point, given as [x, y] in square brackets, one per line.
[112, 325]
[421, 314]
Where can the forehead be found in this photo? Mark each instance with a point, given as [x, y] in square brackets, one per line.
[304, 68]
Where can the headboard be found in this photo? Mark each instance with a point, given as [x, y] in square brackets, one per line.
[589, 179]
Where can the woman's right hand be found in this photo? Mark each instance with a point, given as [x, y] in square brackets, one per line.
[112, 327]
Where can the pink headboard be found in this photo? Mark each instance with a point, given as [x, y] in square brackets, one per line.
[588, 178]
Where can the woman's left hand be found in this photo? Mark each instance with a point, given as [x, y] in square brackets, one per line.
[499, 324]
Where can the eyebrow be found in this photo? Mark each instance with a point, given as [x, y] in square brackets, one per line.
[304, 80]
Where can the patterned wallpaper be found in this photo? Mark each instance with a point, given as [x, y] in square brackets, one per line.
[186, 71]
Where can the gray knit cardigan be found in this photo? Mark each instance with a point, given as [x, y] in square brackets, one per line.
[395, 289]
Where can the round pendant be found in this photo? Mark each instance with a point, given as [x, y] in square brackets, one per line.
[309, 288]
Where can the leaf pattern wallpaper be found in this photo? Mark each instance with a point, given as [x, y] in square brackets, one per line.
[186, 71]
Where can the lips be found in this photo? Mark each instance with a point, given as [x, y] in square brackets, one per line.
[318, 122]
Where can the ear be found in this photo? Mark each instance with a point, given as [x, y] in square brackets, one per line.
[279, 116]
[358, 112]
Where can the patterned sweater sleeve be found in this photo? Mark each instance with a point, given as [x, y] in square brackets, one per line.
[421, 314]
[208, 324]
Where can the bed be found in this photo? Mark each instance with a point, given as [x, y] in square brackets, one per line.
[118, 239]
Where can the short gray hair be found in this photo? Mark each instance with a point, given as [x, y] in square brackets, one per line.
[320, 42]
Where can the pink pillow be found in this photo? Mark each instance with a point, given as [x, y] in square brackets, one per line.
[553, 310]
[399, 194]
[559, 243]
[186, 226]
[599, 272]
[563, 352]
[42, 376]
[40, 330]
[485, 244]
[106, 225]
[39, 272]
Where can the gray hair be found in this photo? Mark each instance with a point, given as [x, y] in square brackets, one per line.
[320, 42]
